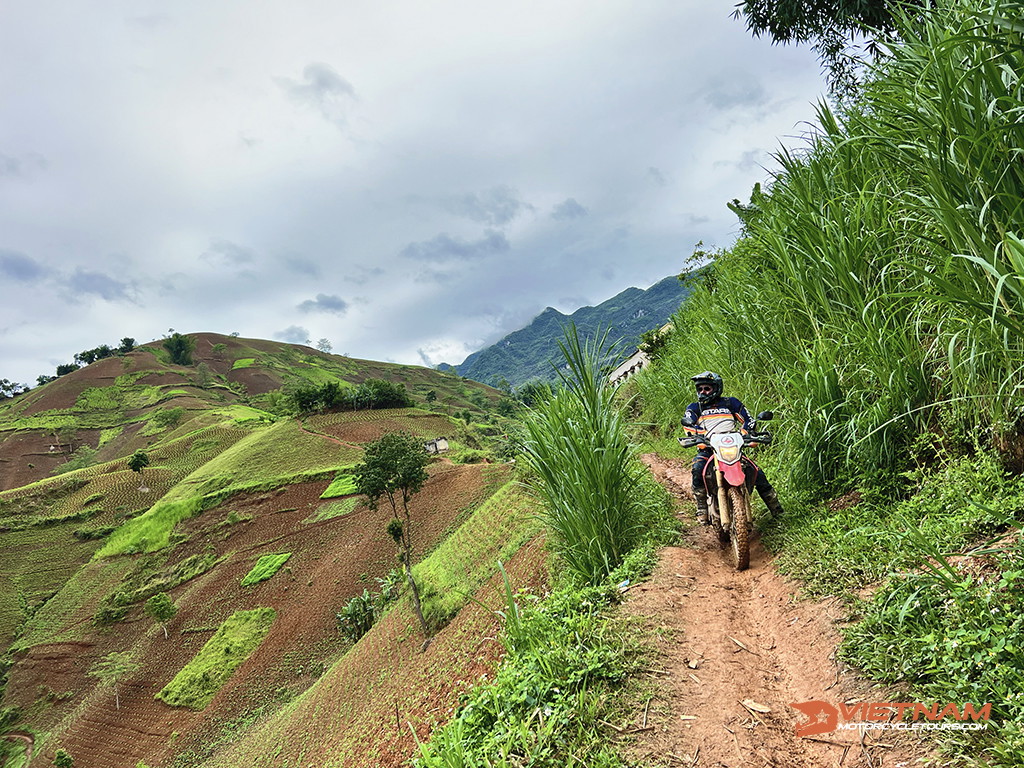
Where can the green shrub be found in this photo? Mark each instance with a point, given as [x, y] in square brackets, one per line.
[265, 567]
[583, 468]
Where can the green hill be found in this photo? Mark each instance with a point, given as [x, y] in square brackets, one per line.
[528, 353]
[235, 478]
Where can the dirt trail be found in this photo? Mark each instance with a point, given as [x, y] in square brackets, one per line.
[737, 649]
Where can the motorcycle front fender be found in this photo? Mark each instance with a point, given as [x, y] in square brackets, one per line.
[734, 474]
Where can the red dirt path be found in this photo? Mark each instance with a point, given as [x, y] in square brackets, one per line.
[728, 637]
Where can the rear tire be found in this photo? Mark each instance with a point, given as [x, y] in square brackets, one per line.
[739, 527]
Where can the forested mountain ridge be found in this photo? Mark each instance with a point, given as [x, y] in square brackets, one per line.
[528, 353]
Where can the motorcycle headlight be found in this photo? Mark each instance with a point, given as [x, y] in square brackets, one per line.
[729, 453]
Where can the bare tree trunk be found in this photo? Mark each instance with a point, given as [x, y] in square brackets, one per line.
[415, 595]
[117, 697]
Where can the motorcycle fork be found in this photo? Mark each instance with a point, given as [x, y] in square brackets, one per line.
[723, 500]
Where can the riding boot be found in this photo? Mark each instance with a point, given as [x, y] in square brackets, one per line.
[771, 500]
[700, 496]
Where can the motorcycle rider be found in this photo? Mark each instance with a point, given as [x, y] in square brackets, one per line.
[710, 409]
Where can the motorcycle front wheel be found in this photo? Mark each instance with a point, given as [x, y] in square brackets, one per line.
[739, 527]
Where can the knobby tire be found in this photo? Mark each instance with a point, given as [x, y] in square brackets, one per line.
[739, 528]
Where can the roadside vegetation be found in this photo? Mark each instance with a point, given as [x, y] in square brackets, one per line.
[875, 301]
[569, 652]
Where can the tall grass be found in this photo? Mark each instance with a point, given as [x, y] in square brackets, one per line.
[597, 498]
[878, 286]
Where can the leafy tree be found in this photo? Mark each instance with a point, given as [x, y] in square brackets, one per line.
[180, 348]
[138, 461]
[44, 379]
[219, 350]
[63, 759]
[203, 376]
[113, 668]
[324, 345]
[160, 608]
[532, 392]
[653, 343]
[394, 468]
[126, 346]
[67, 368]
[830, 25]
[506, 407]
[11, 389]
[431, 396]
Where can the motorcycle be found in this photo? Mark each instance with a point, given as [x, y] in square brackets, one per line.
[729, 480]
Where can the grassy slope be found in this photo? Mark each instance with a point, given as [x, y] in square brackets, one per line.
[202, 441]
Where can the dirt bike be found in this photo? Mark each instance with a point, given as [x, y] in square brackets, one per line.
[729, 480]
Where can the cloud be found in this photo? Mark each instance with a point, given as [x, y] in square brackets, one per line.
[324, 303]
[749, 161]
[567, 210]
[496, 206]
[301, 266]
[739, 90]
[693, 219]
[321, 89]
[85, 282]
[18, 266]
[21, 166]
[362, 275]
[657, 176]
[444, 247]
[293, 334]
[434, 276]
[149, 21]
[226, 252]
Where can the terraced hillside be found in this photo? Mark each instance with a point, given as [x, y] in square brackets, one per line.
[235, 486]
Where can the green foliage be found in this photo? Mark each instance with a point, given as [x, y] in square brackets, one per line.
[597, 497]
[567, 660]
[953, 636]
[180, 348]
[113, 668]
[393, 467]
[138, 461]
[199, 680]
[265, 567]
[343, 484]
[372, 393]
[243, 362]
[877, 283]
[167, 417]
[63, 759]
[161, 610]
[358, 615]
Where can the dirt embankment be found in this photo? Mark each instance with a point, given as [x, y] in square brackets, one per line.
[736, 650]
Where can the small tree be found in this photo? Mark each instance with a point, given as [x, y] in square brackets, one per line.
[203, 376]
[127, 345]
[431, 396]
[63, 759]
[394, 468]
[324, 345]
[161, 610]
[138, 462]
[180, 348]
[112, 668]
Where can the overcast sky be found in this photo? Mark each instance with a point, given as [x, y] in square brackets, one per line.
[410, 180]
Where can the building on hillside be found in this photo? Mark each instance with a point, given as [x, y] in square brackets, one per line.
[436, 445]
[631, 365]
[635, 362]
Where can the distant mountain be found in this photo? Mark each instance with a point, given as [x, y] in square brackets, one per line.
[527, 353]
